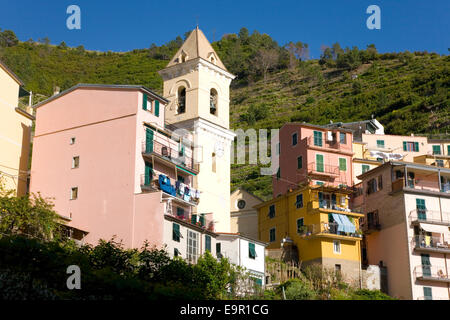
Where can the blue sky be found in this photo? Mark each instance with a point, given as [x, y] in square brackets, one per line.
[413, 25]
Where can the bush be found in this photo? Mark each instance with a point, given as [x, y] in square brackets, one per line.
[297, 289]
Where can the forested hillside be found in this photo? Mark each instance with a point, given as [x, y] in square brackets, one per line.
[407, 92]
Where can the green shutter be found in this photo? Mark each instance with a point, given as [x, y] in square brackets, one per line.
[416, 146]
[436, 149]
[405, 147]
[319, 163]
[144, 102]
[427, 293]
[207, 243]
[380, 143]
[148, 140]
[318, 138]
[421, 209]
[194, 219]
[342, 164]
[448, 150]
[365, 168]
[176, 232]
[148, 173]
[157, 108]
[251, 250]
[299, 162]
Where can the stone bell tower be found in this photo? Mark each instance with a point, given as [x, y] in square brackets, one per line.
[197, 84]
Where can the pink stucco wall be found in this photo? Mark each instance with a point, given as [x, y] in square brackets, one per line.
[291, 176]
[103, 122]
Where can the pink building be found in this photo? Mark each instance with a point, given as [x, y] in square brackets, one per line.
[318, 154]
[104, 155]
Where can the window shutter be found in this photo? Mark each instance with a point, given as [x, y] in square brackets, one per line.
[416, 146]
[427, 293]
[148, 140]
[448, 150]
[319, 162]
[342, 164]
[405, 147]
[300, 162]
[144, 102]
[157, 108]
[207, 243]
[148, 173]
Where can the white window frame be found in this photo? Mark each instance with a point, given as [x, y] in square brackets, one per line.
[338, 242]
[192, 246]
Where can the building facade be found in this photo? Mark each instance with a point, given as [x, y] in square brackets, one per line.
[244, 217]
[406, 227]
[15, 134]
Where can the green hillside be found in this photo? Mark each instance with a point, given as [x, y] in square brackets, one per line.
[407, 92]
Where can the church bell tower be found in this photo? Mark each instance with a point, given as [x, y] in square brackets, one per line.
[197, 84]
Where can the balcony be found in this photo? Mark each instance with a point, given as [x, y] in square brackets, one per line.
[328, 206]
[198, 220]
[430, 244]
[324, 143]
[431, 273]
[370, 224]
[427, 186]
[330, 230]
[169, 153]
[177, 191]
[323, 169]
[429, 216]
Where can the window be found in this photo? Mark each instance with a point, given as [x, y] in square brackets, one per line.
[319, 163]
[278, 148]
[294, 139]
[342, 138]
[427, 293]
[440, 163]
[371, 186]
[146, 103]
[380, 143]
[342, 164]
[336, 246]
[365, 168]
[337, 269]
[241, 204]
[300, 226]
[75, 162]
[272, 211]
[448, 150]
[214, 163]
[410, 146]
[176, 232]
[156, 108]
[74, 193]
[251, 250]
[278, 173]
[180, 178]
[180, 212]
[72, 140]
[318, 138]
[218, 250]
[320, 183]
[299, 201]
[299, 162]
[213, 100]
[436, 149]
[192, 246]
[426, 265]
[181, 100]
[421, 209]
[272, 235]
[207, 243]
[176, 252]
[380, 182]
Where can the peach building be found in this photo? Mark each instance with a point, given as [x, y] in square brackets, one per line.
[406, 227]
[318, 154]
[15, 134]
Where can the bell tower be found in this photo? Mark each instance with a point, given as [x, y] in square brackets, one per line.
[197, 84]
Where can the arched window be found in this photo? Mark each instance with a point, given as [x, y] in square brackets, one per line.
[213, 100]
[181, 100]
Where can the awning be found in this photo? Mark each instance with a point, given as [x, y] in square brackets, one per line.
[350, 227]
[337, 219]
[187, 171]
[434, 228]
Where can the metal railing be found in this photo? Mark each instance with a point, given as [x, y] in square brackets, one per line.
[430, 242]
[330, 228]
[431, 216]
[431, 272]
[415, 184]
[334, 144]
[199, 220]
[372, 224]
[324, 168]
[165, 151]
[152, 182]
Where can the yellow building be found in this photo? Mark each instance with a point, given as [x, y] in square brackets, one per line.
[437, 160]
[15, 134]
[319, 223]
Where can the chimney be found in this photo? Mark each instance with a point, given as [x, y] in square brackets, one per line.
[56, 90]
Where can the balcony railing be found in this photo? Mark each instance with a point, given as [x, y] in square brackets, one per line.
[415, 184]
[372, 224]
[174, 155]
[429, 216]
[432, 243]
[153, 182]
[428, 272]
[323, 169]
[199, 220]
[327, 228]
[333, 144]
